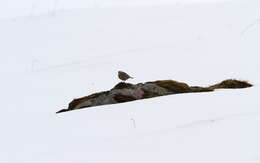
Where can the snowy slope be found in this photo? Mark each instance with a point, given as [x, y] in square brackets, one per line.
[48, 60]
[17, 8]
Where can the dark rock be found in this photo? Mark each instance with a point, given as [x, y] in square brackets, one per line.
[231, 84]
[125, 92]
[201, 89]
[122, 85]
[123, 98]
[174, 86]
[74, 103]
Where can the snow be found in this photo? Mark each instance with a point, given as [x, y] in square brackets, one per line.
[31, 8]
[48, 60]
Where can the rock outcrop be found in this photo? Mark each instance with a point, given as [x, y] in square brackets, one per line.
[125, 92]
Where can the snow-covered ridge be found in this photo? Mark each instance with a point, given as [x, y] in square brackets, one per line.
[49, 59]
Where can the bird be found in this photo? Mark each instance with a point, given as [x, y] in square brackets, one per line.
[124, 76]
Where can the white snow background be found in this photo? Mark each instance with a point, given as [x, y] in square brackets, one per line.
[49, 59]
